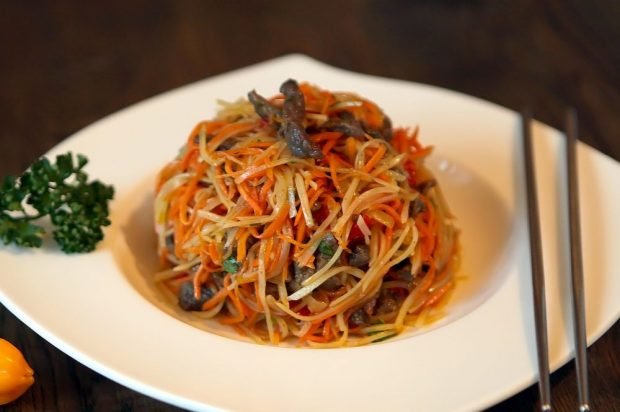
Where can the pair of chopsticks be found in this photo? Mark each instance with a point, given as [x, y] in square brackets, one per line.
[576, 267]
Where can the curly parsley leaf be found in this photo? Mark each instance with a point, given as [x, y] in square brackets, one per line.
[77, 208]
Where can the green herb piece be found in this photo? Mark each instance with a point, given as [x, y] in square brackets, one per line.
[231, 265]
[326, 249]
[77, 208]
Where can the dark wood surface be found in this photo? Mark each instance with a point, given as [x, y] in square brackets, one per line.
[66, 64]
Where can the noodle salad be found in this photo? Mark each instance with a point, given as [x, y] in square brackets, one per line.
[305, 217]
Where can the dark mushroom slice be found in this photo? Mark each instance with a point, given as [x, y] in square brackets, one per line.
[383, 132]
[321, 260]
[187, 299]
[426, 185]
[417, 207]
[226, 144]
[332, 284]
[358, 318]
[263, 107]
[386, 128]
[402, 271]
[297, 141]
[289, 120]
[170, 243]
[386, 303]
[359, 256]
[294, 108]
[345, 123]
[293, 115]
[299, 275]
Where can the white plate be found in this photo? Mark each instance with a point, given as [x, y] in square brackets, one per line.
[99, 309]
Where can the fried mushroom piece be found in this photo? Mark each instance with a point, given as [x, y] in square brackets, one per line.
[386, 303]
[360, 256]
[187, 299]
[359, 318]
[289, 121]
[299, 275]
[384, 132]
[263, 107]
[293, 114]
[345, 123]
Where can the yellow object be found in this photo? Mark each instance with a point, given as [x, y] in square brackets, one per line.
[16, 376]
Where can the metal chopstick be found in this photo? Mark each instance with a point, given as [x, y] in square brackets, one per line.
[576, 267]
[538, 278]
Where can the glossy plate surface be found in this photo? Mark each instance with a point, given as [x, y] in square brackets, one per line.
[101, 310]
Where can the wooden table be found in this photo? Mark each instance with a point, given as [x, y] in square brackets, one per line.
[67, 64]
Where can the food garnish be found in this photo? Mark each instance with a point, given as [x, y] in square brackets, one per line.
[60, 191]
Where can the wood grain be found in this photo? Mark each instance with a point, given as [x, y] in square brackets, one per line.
[66, 64]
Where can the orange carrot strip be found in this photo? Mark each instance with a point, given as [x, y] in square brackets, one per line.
[310, 332]
[213, 254]
[242, 244]
[191, 155]
[334, 173]
[351, 148]
[179, 233]
[228, 131]
[372, 162]
[245, 193]
[389, 233]
[421, 152]
[328, 146]
[414, 138]
[300, 236]
[264, 191]
[236, 302]
[374, 117]
[277, 223]
[215, 299]
[436, 297]
[315, 196]
[276, 337]
[389, 210]
[190, 191]
[323, 136]
[220, 181]
[327, 101]
[327, 329]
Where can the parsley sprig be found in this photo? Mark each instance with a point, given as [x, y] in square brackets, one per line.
[77, 208]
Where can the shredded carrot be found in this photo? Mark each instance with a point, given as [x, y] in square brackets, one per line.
[247, 196]
[376, 157]
[439, 293]
[301, 235]
[323, 136]
[328, 146]
[389, 210]
[277, 223]
[217, 298]
[228, 131]
[310, 332]
[334, 173]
